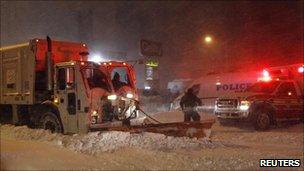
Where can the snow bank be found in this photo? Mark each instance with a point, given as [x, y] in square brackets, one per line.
[96, 142]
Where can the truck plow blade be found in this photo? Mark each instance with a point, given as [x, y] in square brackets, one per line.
[177, 129]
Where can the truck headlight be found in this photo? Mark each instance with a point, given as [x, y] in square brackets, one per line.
[129, 95]
[56, 100]
[244, 105]
[94, 113]
[112, 97]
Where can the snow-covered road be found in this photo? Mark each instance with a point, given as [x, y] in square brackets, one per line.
[231, 148]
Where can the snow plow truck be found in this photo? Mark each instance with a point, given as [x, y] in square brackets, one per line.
[52, 85]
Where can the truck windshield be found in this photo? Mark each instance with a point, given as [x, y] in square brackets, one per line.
[263, 87]
[95, 78]
[120, 77]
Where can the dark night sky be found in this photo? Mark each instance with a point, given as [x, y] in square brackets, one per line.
[247, 34]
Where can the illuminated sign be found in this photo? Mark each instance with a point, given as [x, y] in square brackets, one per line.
[152, 63]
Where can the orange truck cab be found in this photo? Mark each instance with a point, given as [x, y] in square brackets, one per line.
[126, 78]
[123, 81]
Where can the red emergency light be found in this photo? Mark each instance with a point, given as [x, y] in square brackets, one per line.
[301, 69]
[265, 76]
[265, 73]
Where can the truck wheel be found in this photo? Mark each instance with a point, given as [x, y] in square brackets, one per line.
[50, 121]
[262, 120]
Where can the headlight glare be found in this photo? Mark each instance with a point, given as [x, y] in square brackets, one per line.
[244, 105]
[129, 95]
[94, 113]
[112, 97]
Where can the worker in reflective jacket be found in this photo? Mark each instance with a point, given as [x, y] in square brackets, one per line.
[188, 103]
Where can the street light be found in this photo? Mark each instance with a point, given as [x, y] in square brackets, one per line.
[208, 39]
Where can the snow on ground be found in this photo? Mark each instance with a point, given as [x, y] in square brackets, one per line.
[97, 142]
[34, 155]
[231, 148]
